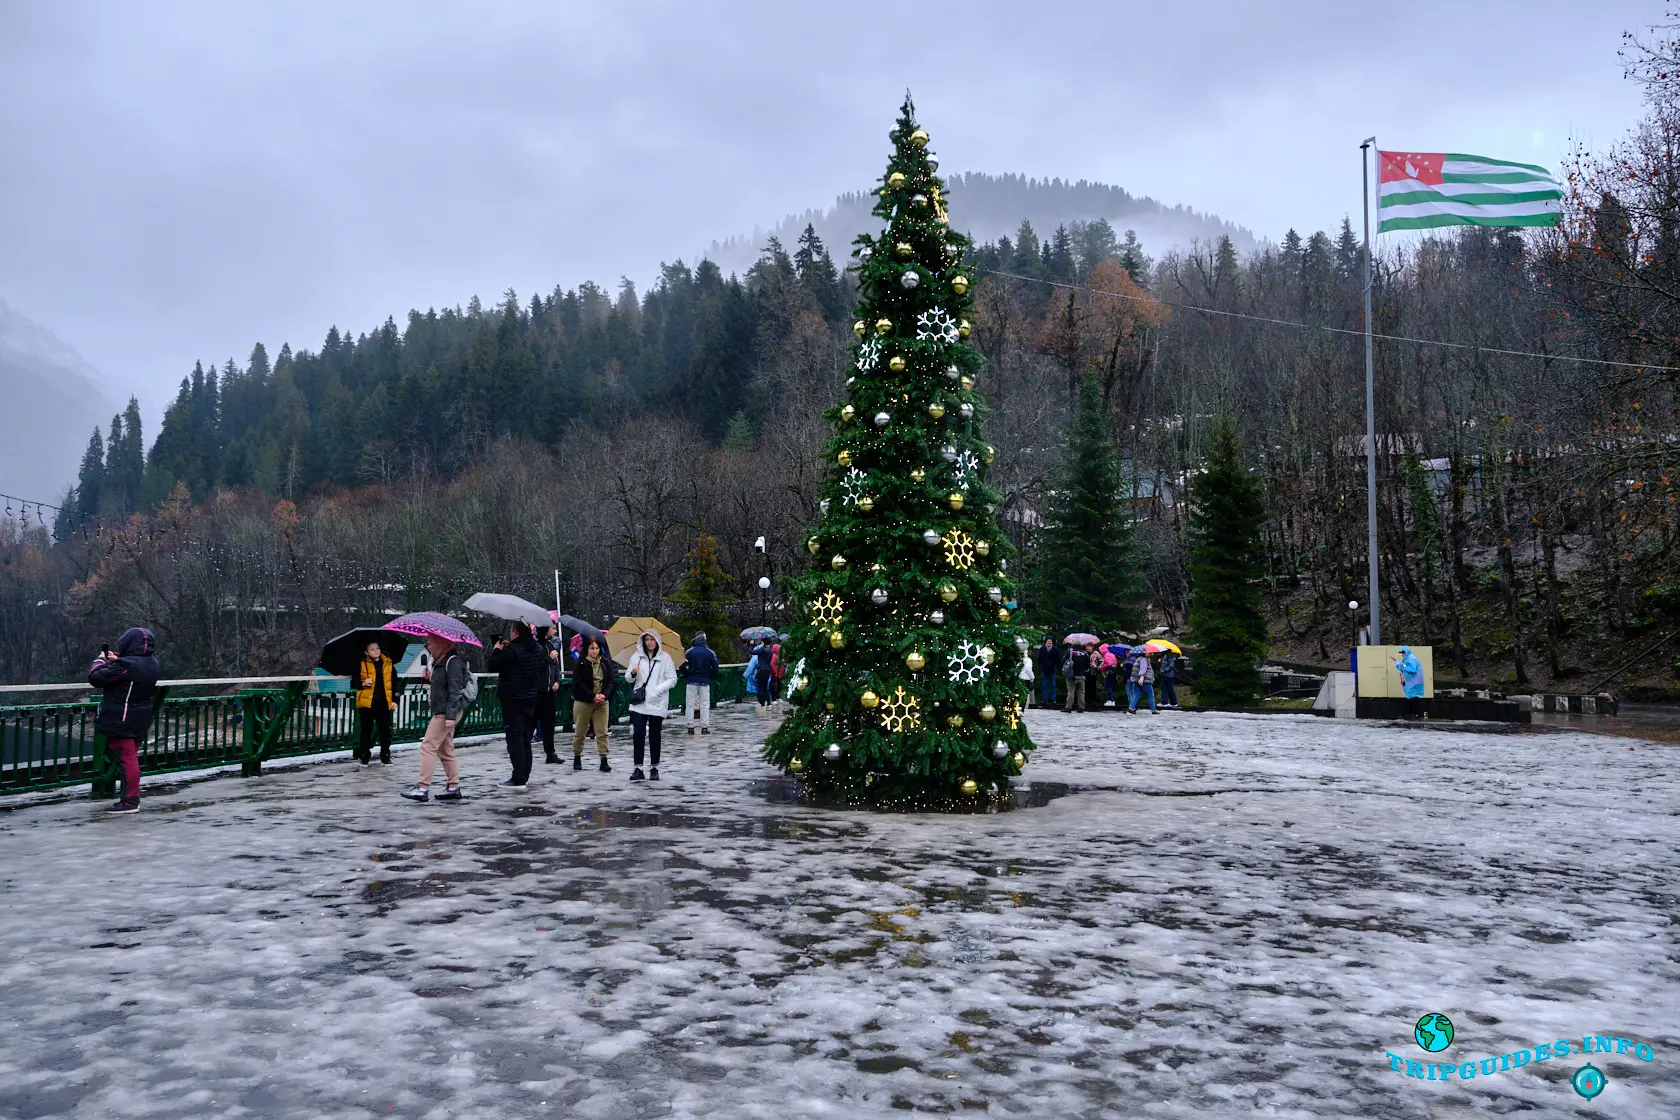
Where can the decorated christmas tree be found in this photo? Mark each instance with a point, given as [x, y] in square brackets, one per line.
[906, 657]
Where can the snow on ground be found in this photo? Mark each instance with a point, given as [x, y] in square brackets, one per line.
[1238, 917]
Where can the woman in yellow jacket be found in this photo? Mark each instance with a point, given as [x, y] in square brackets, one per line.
[374, 702]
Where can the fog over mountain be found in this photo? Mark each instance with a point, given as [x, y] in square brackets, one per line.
[987, 207]
[53, 398]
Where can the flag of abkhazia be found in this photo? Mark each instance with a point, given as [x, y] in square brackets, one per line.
[1422, 190]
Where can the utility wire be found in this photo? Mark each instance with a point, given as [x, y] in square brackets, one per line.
[23, 505]
[1331, 330]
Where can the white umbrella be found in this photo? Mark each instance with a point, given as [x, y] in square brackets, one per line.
[511, 607]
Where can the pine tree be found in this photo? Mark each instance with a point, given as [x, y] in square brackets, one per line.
[90, 482]
[905, 650]
[1084, 575]
[705, 592]
[1226, 622]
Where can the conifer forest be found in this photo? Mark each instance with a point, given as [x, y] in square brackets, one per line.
[1528, 446]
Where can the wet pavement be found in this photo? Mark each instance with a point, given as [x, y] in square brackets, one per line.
[1199, 915]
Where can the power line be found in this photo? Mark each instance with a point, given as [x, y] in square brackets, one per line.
[22, 508]
[1331, 330]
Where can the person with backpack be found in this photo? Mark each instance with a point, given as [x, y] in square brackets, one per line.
[703, 669]
[652, 675]
[522, 668]
[594, 680]
[1143, 683]
[1075, 668]
[453, 690]
[127, 679]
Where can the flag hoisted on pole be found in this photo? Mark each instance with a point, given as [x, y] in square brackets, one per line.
[1424, 190]
[1375, 601]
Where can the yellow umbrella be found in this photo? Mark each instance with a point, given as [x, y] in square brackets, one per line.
[1161, 645]
[623, 635]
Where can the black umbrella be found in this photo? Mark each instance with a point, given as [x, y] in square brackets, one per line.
[579, 626]
[343, 655]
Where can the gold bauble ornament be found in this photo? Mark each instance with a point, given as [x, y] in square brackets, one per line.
[895, 180]
[983, 548]
[915, 661]
[955, 499]
[795, 766]
[811, 543]
[844, 458]
[1019, 759]
[904, 249]
[988, 713]
[964, 328]
[918, 139]
[959, 284]
[860, 328]
[936, 410]
[968, 384]
[883, 325]
[866, 503]
[838, 562]
[896, 364]
[799, 683]
[869, 699]
[847, 413]
[987, 655]
[989, 454]
[837, 639]
[953, 721]
[876, 567]
[948, 591]
[918, 475]
[1003, 614]
[969, 787]
[828, 705]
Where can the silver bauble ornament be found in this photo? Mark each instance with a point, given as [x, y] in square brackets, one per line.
[948, 453]
[933, 162]
[822, 506]
[953, 372]
[937, 618]
[995, 594]
[930, 537]
[967, 411]
[882, 419]
[832, 752]
[878, 597]
[910, 278]
[1000, 749]
[918, 199]
[865, 253]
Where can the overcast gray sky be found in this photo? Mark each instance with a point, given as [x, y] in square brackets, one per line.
[179, 180]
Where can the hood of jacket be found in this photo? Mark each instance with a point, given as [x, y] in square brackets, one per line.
[658, 646]
[1405, 651]
[699, 640]
[136, 641]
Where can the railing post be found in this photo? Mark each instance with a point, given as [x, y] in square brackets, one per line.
[261, 733]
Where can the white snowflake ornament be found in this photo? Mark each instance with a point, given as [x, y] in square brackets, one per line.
[852, 484]
[936, 325]
[968, 664]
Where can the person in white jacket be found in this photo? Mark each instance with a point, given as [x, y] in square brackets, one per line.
[651, 672]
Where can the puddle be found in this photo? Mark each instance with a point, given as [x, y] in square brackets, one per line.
[887, 1063]
[785, 790]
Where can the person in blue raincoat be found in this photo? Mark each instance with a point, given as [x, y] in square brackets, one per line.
[1411, 676]
[750, 676]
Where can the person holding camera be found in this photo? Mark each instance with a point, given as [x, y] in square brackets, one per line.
[127, 679]
[522, 668]
[375, 700]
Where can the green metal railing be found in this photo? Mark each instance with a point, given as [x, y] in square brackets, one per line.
[47, 746]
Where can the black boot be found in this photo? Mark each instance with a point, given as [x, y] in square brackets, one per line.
[577, 762]
[552, 759]
[385, 757]
[605, 769]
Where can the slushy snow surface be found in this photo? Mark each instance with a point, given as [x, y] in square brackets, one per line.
[1236, 916]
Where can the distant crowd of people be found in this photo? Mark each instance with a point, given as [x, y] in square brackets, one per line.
[1088, 676]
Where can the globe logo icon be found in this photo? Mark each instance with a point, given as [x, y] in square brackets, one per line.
[1588, 1081]
[1434, 1032]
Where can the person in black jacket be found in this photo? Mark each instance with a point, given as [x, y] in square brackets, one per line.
[1049, 670]
[521, 666]
[551, 647]
[594, 680]
[1077, 668]
[128, 679]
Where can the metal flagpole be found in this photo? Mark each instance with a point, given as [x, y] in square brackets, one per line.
[1370, 403]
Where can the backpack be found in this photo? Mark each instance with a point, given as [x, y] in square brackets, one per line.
[469, 694]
